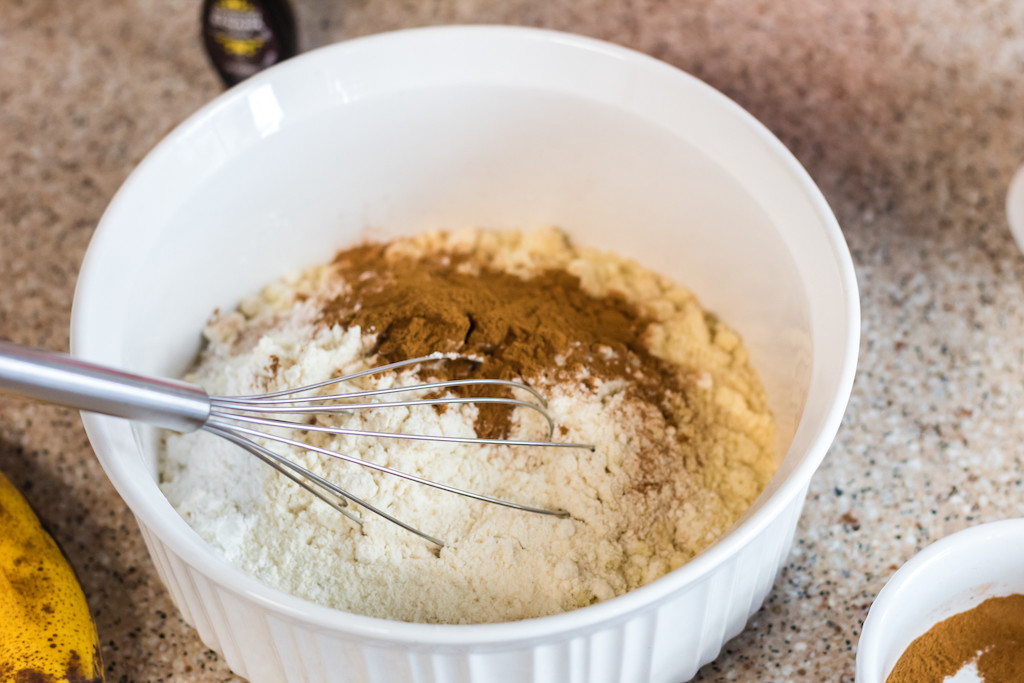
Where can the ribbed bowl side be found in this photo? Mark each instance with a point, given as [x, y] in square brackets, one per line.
[613, 654]
[666, 643]
[227, 623]
[695, 624]
[185, 594]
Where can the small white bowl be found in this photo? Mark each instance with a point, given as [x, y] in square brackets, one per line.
[475, 126]
[950, 576]
[1015, 207]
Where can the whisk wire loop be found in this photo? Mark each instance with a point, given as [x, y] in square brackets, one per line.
[276, 397]
[278, 407]
[254, 433]
[317, 485]
[342, 431]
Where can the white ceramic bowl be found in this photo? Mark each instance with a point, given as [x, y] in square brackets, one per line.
[1015, 207]
[950, 576]
[444, 128]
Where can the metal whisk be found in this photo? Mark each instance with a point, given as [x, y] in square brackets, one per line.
[182, 407]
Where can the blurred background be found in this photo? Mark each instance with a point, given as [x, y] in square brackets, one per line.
[908, 115]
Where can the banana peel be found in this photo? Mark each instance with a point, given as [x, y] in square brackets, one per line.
[46, 632]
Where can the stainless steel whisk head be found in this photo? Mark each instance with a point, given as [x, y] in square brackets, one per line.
[182, 407]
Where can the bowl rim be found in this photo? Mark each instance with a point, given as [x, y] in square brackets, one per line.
[1015, 207]
[872, 647]
[172, 530]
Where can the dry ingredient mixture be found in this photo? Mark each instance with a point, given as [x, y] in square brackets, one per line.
[628, 361]
[988, 638]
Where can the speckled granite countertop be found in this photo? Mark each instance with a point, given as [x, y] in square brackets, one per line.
[910, 116]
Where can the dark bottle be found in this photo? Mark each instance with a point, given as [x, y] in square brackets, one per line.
[245, 36]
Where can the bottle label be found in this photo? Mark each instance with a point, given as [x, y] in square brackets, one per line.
[239, 39]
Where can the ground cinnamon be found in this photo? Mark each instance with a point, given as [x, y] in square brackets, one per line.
[991, 635]
[538, 330]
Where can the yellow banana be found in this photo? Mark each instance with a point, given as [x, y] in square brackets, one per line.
[46, 632]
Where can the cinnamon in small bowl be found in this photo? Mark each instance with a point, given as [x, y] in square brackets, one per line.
[986, 641]
[954, 613]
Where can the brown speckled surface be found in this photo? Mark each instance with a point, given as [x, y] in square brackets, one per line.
[909, 115]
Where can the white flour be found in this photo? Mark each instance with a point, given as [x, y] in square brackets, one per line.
[497, 564]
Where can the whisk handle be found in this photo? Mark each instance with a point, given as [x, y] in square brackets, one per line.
[67, 381]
